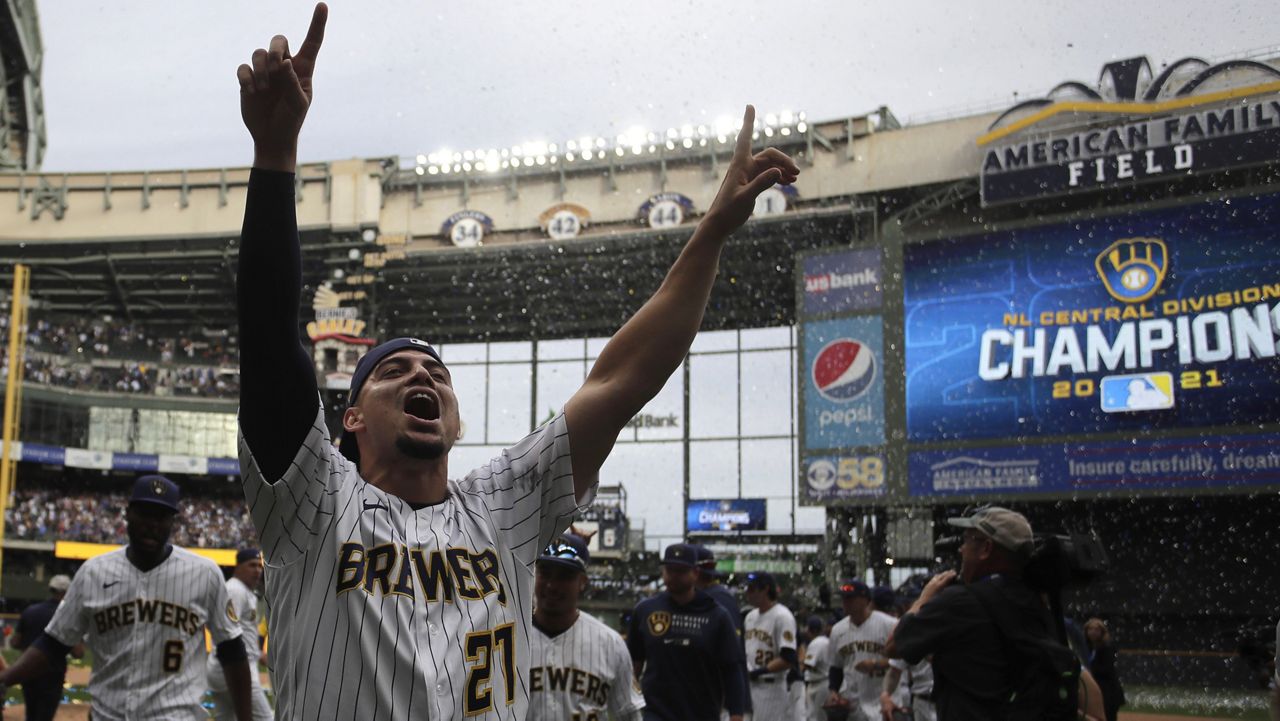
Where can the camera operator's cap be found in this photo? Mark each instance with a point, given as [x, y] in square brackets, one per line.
[364, 367]
[684, 555]
[760, 579]
[568, 550]
[853, 588]
[706, 560]
[60, 583]
[247, 554]
[157, 490]
[1009, 529]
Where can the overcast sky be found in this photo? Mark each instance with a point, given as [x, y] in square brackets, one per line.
[151, 84]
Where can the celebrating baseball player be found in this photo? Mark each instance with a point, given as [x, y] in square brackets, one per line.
[581, 667]
[407, 589]
[142, 611]
[771, 648]
[241, 589]
[858, 661]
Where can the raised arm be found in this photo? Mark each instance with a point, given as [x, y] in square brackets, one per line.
[637, 361]
[278, 399]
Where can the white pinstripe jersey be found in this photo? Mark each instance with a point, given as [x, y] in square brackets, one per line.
[146, 632]
[851, 644]
[581, 673]
[246, 605]
[378, 611]
[766, 634]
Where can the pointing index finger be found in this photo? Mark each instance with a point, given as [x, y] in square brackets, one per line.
[315, 34]
[743, 149]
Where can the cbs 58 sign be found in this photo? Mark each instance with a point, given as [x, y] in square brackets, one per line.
[842, 477]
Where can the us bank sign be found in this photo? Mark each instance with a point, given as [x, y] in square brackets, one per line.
[1131, 127]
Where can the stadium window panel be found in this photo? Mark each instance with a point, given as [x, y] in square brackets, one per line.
[557, 382]
[663, 417]
[778, 512]
[716, 340]
[469, 387]
[753, 338]
[653, 475]
[109, 429]
[713, 396]
[514, 351]
[767, 468]
[569, 349]
[767, 379]
[810, 519]
[510, 396]
[713, 469]
[464, 353]
[594, 346]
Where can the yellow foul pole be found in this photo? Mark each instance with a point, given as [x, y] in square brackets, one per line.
[13, 392]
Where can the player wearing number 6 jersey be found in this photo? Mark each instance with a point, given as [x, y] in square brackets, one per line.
[581, 668]
[142, 610]
[398, 589]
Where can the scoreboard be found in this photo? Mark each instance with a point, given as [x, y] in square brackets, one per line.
[1131, 352]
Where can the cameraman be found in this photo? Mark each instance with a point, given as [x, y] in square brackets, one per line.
[973, 679]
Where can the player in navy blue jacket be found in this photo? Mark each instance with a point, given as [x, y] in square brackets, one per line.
[685, 648]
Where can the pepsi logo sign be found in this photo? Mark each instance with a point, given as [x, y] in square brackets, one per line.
[843, 370]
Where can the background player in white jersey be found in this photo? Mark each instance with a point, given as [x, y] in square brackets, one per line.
[770, 635]
[816, 665]
[581, 669]
[408, 591]
[142, 611]
[858, 663]
[242, 590]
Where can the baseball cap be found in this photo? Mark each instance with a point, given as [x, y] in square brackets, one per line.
[760, 579]
[247, 554]
[815, 624]
[883, 597]
[567, 550]
[706, 560]
[60, 583]
[680, 554]
[347, 446]
[853, 588]
[1009, 529]
[157, 490]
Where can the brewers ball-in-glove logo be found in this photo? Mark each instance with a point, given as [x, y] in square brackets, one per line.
[659, 622]
[157, 487]
[1132, 269]
[231, 612]
[843, 370]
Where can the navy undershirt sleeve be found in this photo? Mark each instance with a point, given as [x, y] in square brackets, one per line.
[52, 647]
[231, 650]
[788, 655]
[835, 679]
[278, 393]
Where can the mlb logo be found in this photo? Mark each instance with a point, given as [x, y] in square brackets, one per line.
[1137, 392]
[843, 370]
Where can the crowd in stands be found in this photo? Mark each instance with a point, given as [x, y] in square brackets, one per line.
[114, 357]
[46, 515]
[105, 338]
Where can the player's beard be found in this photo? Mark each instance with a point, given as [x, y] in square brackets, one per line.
[423, 450]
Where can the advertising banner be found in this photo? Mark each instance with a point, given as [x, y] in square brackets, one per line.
[842, 281]
[1211, 463]
[843, 383]
[1152, 320]
[725, 515]
[829, 478]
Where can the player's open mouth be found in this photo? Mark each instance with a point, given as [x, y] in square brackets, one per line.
[423, 406]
